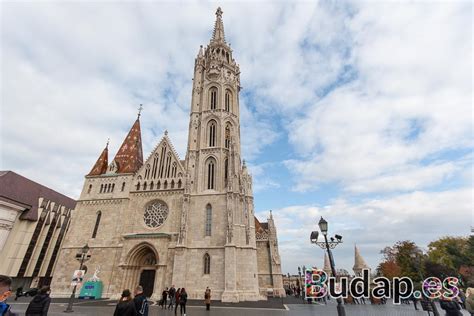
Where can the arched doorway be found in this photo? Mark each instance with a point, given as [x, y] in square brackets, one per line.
[141, 265]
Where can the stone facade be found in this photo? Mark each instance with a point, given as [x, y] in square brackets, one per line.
[167, 221]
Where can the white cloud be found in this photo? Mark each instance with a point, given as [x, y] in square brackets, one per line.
[411, 100]
[372, 224]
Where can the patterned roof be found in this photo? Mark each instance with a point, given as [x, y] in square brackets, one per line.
[101, 164]
[129, 157]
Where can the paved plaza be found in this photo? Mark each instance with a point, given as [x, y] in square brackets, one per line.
[275, 307]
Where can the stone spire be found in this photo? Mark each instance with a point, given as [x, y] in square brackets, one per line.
[359, 262]
[101, 164]
[218, 34]
[327, 265]
[129, 157]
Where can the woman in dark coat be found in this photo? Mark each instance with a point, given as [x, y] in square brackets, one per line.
[125, 306]
[183, 299]
[39, 305]
[451, 307]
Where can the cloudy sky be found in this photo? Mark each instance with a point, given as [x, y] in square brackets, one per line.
[360, 112]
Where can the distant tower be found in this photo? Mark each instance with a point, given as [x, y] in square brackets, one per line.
[359, 262]
[327, 265]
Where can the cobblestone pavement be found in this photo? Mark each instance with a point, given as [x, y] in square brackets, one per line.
[106, 307]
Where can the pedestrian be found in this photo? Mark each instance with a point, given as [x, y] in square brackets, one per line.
[5, 292]
[183, 299]
[140, 301]
[451, 307]
[171, 295]
[126, 305]
[39, 305]
[207, 298]
[470, 300]
[176, 300]
[164, 297]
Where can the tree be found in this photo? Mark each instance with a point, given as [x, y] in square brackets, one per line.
[402, 259]
[452, 252]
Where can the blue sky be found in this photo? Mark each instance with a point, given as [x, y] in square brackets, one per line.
[360, 112]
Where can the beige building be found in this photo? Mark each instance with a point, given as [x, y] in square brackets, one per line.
[164, 220]
[33, 222]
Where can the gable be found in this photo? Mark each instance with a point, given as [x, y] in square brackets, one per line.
[163, 165]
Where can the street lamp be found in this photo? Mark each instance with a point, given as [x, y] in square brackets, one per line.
[326, 245]
[83, 258]
[418, 256]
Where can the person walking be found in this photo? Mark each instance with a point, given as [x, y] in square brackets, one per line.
[126, 305]
[176, 300]
[5, 292]
[470, 300]
[164, 297]
[171, 295]
[451, 307]
[207, 298]
[183, 299]
[140, 301]
[39, 305]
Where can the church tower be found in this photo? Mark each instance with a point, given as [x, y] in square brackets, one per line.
[217, 222]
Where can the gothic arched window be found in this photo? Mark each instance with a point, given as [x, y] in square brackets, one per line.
[226, 170]
[213, 98]
[212, 131]
[211, 174]
[228, 101]
[97, 222]
[90, 189]
[208, 219]
[227, 136]
[101, 188]
[123, 186]
[207, 264]
[113, 187]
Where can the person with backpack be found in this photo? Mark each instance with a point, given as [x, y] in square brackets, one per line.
[39, 305]
[183, 299]
[140, 301]
[171, 295]
[126, 305]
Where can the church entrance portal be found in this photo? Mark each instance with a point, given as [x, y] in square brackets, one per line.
[141, 268]
[147, 281]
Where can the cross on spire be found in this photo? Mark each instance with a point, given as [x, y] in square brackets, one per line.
[140, 108]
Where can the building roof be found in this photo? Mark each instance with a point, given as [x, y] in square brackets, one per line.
[129, 157]
[359, 262]
[260, 226]
[101, 164]
[17, 188]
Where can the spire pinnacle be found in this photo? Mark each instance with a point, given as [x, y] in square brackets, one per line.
[140, 108]
[218, 34]
[100, 167]
[129, 157]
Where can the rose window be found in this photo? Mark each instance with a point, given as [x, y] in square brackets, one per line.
[155, 214]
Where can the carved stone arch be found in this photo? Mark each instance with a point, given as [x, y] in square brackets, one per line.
[212, 132]
[211, 167]
[143, 254]
[213, 97]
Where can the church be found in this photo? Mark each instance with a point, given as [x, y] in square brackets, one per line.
[165, 221]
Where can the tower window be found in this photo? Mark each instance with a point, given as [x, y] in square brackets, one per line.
[207, 264]
[208, 219]
[228, 101]
[212, 127]
[211, 174]
[90, 189]
[213, 98]
[97, 222]
[123, 186]
[226, 170]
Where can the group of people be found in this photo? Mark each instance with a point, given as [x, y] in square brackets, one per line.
[171, 298]
[136, 306]
[453, 306]
[176, 297]
[38, 306]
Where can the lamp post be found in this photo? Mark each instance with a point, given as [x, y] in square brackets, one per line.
[83, 258]
[418, 256]
[328, 245]
[299, 279]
